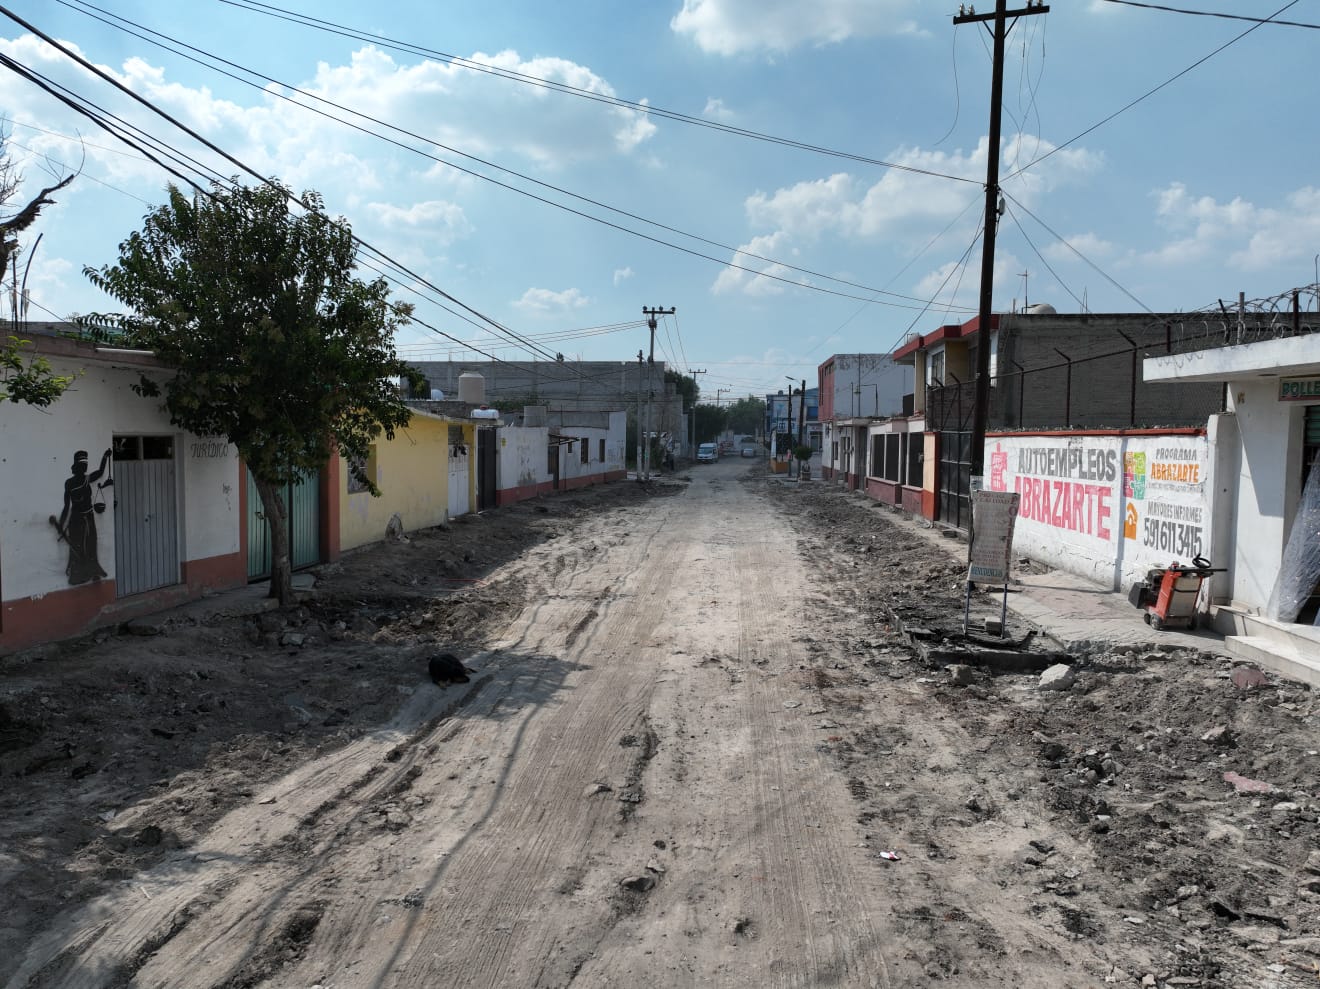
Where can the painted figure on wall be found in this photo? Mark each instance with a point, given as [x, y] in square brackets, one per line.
[77, 522]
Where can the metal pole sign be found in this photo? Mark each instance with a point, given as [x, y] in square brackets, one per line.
[993, 516]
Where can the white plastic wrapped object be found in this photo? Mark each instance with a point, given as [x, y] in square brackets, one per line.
[1299, 573]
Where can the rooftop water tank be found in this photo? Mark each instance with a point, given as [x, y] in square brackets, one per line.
[471, 388]
[1040, 309]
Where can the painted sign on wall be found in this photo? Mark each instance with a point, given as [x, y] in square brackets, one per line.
[1166, 513]
[1299, 389]
[1069, 514]
[1107, 507]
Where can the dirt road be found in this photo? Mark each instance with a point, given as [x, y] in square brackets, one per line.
[681, 761]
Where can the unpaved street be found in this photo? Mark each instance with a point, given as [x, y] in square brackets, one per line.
[694, 728]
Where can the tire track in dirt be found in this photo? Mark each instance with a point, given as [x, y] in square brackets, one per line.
[757, 888]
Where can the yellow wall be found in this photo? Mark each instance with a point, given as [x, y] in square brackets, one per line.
[412, 473]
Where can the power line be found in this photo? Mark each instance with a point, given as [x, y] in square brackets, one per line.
[1059, 237]
[1080, 305]
[228, 157]
[331, 27]
[489, 164]
[1214, 13]
[1145, 96]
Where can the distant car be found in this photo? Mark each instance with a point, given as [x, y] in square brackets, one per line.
[749, 451]
[707, 453]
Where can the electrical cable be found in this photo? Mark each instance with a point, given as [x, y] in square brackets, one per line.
[956, 267]
[1062, 283]
[1213, 13]
[331, 27]
[289, 195]
[489, 164]
[1145, 96]
[1103, 274]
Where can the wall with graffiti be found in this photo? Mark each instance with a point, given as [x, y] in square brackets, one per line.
[1107, 506]
[67, 483]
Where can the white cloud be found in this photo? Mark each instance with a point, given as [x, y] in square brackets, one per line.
[1087, 244]
[543, 300]
[903, 205]
[716, 110]
[749, 257]
[621, 275]
[950, 287]
[729, 27]
[442, 220]
[1253, 237]
[484, 115]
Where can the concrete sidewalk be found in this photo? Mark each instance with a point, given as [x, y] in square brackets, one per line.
[1074, 612]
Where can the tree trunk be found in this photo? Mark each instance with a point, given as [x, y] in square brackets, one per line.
[277, 516]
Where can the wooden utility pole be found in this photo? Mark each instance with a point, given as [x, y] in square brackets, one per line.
[999, 31]
[650, 315]
[692, 449]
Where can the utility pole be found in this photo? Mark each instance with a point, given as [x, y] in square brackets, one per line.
[650, 315]
[692, 426]
[802, 422]
[999, 31]
[641, 437]
[790, 425]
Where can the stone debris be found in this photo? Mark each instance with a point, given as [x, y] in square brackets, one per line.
[1060, 676]
[961, 675]
[1244, 785]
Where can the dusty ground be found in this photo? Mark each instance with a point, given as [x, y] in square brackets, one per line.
[699, 723]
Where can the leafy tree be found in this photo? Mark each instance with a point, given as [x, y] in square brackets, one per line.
[30, 379]
[747, 415]
[685, 385]
[274, 344]
[710, 422]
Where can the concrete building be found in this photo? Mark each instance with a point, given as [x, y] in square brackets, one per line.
[1050, 371]
[1267, 494]
[578, 386]
[422, 475]
[109, 511]
[542, 451]
[856, 390]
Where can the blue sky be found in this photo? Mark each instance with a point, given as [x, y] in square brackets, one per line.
[1205, 189]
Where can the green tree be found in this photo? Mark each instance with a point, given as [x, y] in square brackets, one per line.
[272, 341]
[685, 385]
[30, 380]
[23, 378]
[747, 415]
[711, 420]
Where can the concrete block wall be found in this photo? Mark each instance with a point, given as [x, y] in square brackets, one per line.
[1100, 396]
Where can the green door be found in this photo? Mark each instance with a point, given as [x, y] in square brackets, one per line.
[303, 501]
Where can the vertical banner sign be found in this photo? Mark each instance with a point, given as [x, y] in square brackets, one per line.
[994, 513]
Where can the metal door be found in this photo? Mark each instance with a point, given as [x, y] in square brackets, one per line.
[146, 514]
[486, 457]
[460, 501]
[552, 465]
[302, 500]
[955, 478]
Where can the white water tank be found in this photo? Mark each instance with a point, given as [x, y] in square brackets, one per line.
[471, 388]
[1040, 309]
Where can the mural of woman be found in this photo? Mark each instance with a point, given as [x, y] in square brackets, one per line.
[77, 521]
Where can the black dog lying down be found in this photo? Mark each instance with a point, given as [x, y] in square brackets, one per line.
[446, 669]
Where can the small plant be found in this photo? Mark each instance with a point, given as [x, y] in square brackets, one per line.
[803, 452]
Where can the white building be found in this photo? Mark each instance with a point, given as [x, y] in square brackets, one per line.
[108, 510]
[1274, 556]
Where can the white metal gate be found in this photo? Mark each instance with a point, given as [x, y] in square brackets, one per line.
[459, 501]
[146, 514]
